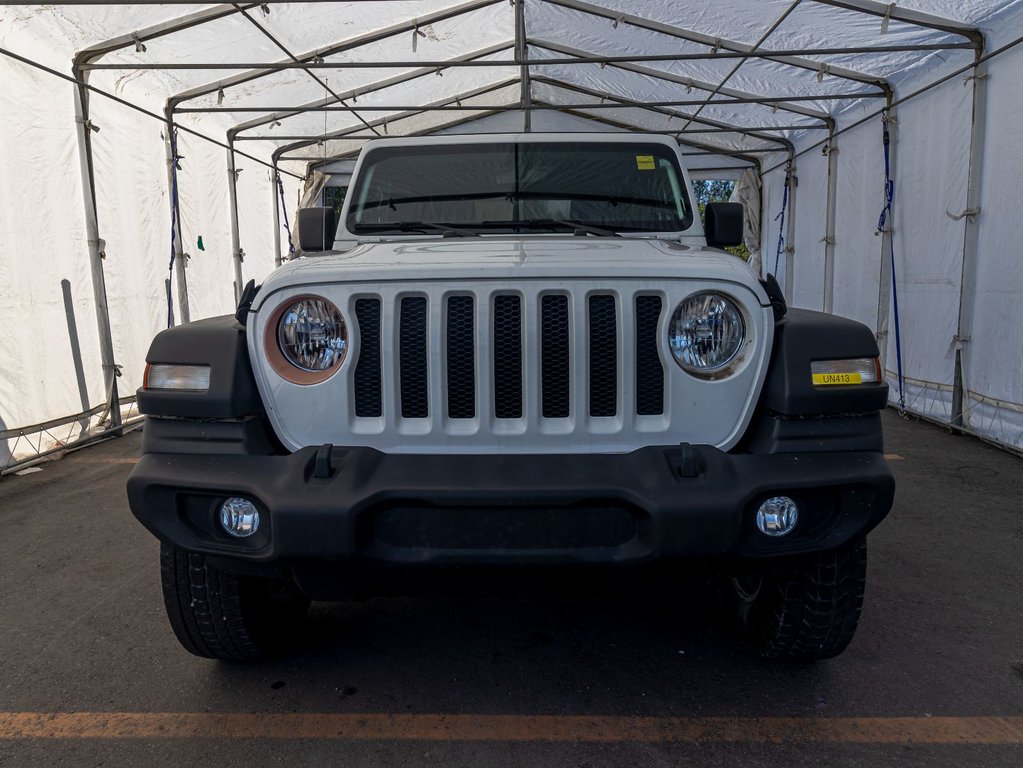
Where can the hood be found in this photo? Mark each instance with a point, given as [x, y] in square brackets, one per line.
[511, 259]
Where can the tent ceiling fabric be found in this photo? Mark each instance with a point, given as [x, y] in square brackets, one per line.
[294, 86]
[330, 35]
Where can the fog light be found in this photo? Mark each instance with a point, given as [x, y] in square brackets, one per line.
[777, 516]
[239, 517]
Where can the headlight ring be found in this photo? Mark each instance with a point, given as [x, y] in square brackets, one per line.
[706, 333]
[306, 339]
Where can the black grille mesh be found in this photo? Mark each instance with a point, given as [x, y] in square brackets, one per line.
[507, 357]
[555, 363]
[461, 358]
[603, 356]
[412, 358]
[367, 370]
[649, 371]
[555, 380]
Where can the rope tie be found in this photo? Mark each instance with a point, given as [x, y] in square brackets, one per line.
[416, 34]
[781, 217]
[960, 216]
[887, 18]
[882, 222]
[287, 226]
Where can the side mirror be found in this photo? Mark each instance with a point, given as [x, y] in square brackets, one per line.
[723, 224]
[316, 228]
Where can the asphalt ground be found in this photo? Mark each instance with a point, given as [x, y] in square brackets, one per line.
[90, 673]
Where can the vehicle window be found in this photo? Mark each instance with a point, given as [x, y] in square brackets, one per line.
[521, 187]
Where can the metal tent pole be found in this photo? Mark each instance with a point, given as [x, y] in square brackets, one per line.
[971, 237]
[236, 248]
[366, 89]
[391, 119]
[790, 231]
[766, 100]
[612, 100]
[316, 78]
[765, 216]
[433, 64]
[715, 43]
[522, 57]
[829, 224]
[175, 211]
[96, 249]
[350, 44]
[180, 265]
[274, 181]
[891, 11]
[689, 83]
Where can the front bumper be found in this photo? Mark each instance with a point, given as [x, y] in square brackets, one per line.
[656, 503]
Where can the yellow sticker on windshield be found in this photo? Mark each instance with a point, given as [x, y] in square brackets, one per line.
[645, 162]
[823, 379]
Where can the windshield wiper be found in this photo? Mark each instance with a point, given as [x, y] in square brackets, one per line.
[577, 227]
[420, 226]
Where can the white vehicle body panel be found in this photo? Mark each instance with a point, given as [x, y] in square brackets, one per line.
[672, 266]
[713, 412]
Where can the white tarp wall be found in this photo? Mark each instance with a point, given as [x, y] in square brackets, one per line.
[42, 239]
[51, 357]
[994, 374]
[931, 139]
[52, 365]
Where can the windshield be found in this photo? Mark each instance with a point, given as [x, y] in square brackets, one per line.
[583, 187]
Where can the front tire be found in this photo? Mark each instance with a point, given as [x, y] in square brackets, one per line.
[806, 611]
[220, 615]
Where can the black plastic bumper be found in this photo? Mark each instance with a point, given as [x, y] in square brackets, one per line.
[656, 503]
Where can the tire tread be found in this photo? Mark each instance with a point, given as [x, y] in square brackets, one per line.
[207, 609]
[811, 611]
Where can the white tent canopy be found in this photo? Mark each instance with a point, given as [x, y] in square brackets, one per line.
[152, 154]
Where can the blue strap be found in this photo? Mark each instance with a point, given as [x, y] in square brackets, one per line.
[882, 220]
[287, 227]
[781, 226]
[174, 223]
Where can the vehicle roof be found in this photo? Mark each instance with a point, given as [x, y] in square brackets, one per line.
[523, 138]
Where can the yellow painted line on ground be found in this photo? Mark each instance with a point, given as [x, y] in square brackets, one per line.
[88, 460]
[535, 728]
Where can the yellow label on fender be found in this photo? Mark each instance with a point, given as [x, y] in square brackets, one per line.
[645, 162]
[837, 378]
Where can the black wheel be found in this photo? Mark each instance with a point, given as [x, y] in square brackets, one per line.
[806, 611]
[222, 615]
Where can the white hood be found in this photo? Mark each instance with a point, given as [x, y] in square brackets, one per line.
[492, 258]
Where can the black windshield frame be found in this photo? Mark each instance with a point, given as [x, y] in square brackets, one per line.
[606, 176]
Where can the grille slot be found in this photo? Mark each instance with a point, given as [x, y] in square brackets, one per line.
[603, 356]
[412, 358]
[555, 365]
[367, 370]
[507, 357]
[461, 358]
[649, 370]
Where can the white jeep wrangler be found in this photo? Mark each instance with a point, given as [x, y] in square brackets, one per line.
[520, 353]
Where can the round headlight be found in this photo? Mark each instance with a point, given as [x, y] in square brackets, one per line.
[706, 333]
[311, 336]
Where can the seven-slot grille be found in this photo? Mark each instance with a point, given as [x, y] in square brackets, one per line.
[464, 343]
